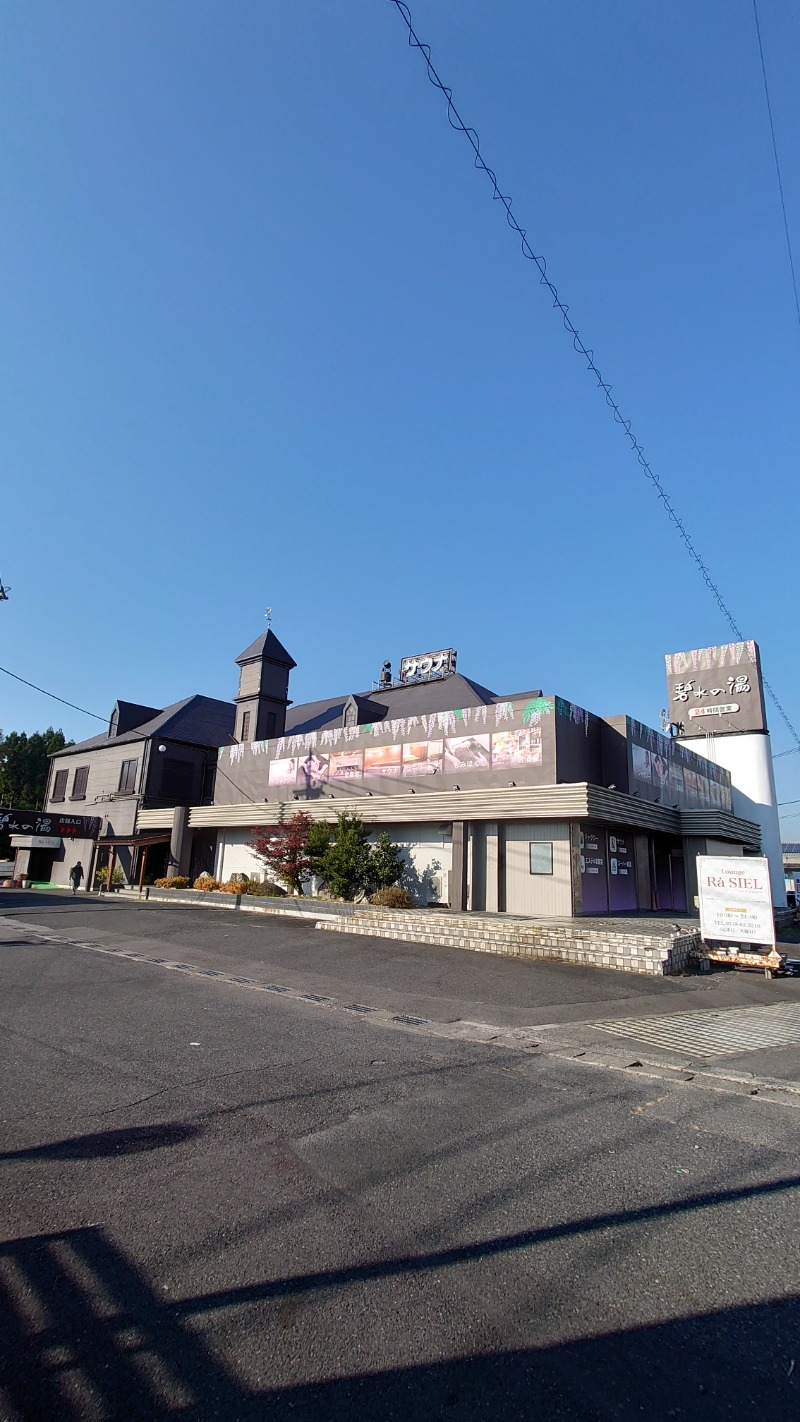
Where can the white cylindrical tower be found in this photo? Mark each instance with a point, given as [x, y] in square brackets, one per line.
[716, 700]
[748, 757]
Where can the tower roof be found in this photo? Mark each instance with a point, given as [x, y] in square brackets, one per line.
[266, 648]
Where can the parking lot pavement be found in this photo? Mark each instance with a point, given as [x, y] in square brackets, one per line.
[224, 1203]
[453, 992]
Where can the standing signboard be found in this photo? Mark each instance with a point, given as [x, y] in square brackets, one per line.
[736, 909]
[735, 899]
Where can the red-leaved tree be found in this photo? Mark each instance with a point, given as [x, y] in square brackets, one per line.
[283, 849]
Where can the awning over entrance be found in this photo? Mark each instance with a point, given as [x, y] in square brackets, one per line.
[132, 841]
[145, 842]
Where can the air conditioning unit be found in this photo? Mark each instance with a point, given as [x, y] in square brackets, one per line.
[438, 886]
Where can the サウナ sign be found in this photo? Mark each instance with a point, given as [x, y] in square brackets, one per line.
[428, 665]
[735, 899]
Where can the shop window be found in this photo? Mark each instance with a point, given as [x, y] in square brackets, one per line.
[127, 777]
[79, 783]
[59, 785]
[541, 857]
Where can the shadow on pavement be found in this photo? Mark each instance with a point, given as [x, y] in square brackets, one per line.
[98, 1144]
[31, 899]
[83, 1334]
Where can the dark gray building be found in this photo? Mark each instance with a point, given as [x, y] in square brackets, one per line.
[524, 802]
[147, 759]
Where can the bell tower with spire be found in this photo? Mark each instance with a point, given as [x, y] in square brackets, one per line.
[263, 694]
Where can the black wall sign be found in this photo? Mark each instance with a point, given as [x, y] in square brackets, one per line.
[43, 822]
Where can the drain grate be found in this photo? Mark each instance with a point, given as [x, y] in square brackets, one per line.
[714, 1034]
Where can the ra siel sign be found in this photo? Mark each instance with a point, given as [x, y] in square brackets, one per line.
[735, 900]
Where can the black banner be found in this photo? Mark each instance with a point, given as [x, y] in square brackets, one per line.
[45, 822]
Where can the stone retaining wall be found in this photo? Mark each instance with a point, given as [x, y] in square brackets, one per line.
[632, 945]
[566, 940]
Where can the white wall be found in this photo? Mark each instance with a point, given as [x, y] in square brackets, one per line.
[547, 894]
[427, 851]
[748, 757]
[425, 848]
[233, 856]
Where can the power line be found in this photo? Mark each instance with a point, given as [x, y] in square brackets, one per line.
[456, 122]
[53, 696]
[777, 163]
[104, 719]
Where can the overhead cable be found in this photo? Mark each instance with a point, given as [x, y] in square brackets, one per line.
[456, 122]
[53, 696]
[777, 164]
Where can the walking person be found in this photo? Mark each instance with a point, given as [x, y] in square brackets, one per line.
[75, 876]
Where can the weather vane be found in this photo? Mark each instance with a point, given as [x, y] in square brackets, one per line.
[268, 615]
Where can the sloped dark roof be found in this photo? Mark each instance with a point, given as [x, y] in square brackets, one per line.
[198, 720]
[129, 715]
[414, 699]
[520, 695]
[313, 715]
[267, 645]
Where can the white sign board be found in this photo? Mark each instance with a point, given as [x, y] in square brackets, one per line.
[735, 899]
[36, 841]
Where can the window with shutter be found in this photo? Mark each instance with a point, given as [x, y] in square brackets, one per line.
[79, 783]
[127, 777]
[59, 785]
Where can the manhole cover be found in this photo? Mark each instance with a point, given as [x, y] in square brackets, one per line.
[714, 1034]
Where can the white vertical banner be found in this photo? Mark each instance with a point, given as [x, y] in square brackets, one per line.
[735, 899]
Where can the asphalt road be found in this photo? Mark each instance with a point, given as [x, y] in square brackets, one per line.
[219, 1202]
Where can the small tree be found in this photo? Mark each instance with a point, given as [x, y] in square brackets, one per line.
[283, 849]
[347, 862]
[319, 838]
[386, 862]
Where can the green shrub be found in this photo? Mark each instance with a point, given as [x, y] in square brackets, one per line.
[175, 881]
[101, 875]
[346, 865]
[386, 862]
[392, 897]
[263, 891]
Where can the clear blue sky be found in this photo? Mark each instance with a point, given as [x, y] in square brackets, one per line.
[267, 340]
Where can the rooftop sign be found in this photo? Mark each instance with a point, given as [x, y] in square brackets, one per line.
[716, 689]
[428, 666]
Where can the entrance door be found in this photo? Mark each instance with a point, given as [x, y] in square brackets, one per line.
[40, 865]
[668, 877]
